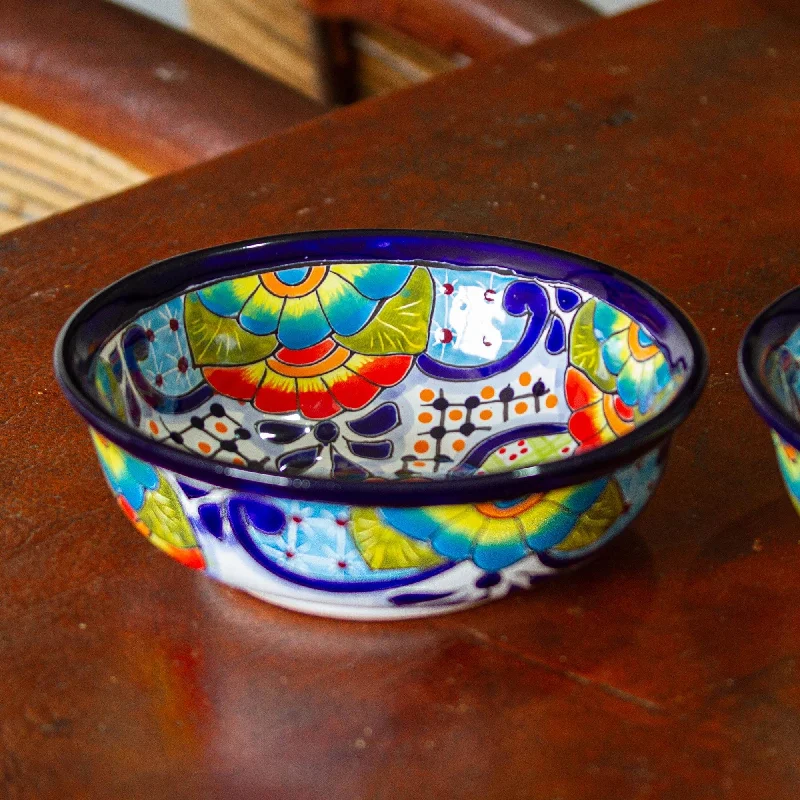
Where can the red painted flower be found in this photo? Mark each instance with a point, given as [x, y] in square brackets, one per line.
[599, 417]
[318, 381]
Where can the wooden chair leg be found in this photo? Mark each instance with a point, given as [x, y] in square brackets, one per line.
[336, 61]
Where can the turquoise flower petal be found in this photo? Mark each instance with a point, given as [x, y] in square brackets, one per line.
[636, 384]
[293, 276]
[378, 281]
[628, 382]
[261, 313]
[302, 323]
[663, 376]
[412, 522]
[497, 555]
[452, 544]
[608, 321]
[644, 339]
[132, 480]
[347, 313]
[578, 498]
[616, 352]
[551, 532]
[227, 298]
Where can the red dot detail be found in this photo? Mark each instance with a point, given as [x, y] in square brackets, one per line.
[159, 380]
[289, 554]
[341, 522]
[173, 325]
[448, 288]
[565, 449]
[150, 335]
[524, 450]
[183, 364]
[501, 450]
[520, 443]
[512, 457]
[342, 564]
[446, 336]
[297, 519]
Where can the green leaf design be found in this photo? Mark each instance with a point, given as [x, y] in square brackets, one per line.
[541, 449]
[584, 349]
[596, 520]
[401, 325]
[164, 517]
[382, 547]
[221, 341]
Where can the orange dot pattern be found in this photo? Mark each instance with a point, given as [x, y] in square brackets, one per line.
[521, 408]
[551, 401]
[487, 393]
[213, 429]
[425, 417]
[456, 414]
[486, 414]
[421, 447]
[525, 379]
[426, 395]
[459, 445]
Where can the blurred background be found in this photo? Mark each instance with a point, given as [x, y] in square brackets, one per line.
[275, 36]
[95, 98]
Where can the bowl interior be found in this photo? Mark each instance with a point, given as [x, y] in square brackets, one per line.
[782, 374]
[399, 369]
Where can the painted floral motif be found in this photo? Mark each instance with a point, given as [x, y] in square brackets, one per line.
[618, 355]
[598, 417]
[318, 381]
[304, 305]
[327, 546]
[311, 340]
[617, 376]
[496, 535]
[789, 462]
[107, 378]
[149, 502]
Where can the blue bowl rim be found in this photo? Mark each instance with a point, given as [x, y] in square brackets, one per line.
[131, 295]
[768, 330]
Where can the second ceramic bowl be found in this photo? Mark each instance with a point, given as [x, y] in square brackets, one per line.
[769, 366]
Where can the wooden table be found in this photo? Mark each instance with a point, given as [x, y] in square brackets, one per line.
[664, 141]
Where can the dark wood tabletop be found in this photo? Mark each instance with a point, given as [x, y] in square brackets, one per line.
[665, 142]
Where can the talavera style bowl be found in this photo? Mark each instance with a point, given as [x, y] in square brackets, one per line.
[769, 366]
[376, 424]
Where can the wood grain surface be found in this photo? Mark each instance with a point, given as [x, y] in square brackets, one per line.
[663, 141]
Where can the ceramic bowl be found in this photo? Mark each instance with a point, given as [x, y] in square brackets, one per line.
[376, 424]
[769, 366]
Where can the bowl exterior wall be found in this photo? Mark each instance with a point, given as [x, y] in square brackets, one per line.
[375, 563]
[789, 462]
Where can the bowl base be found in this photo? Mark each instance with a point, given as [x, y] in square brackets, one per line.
[362, 613]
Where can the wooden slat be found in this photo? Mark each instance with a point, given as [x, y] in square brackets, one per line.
[275, 36]
[270, 35]
[45, 169]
